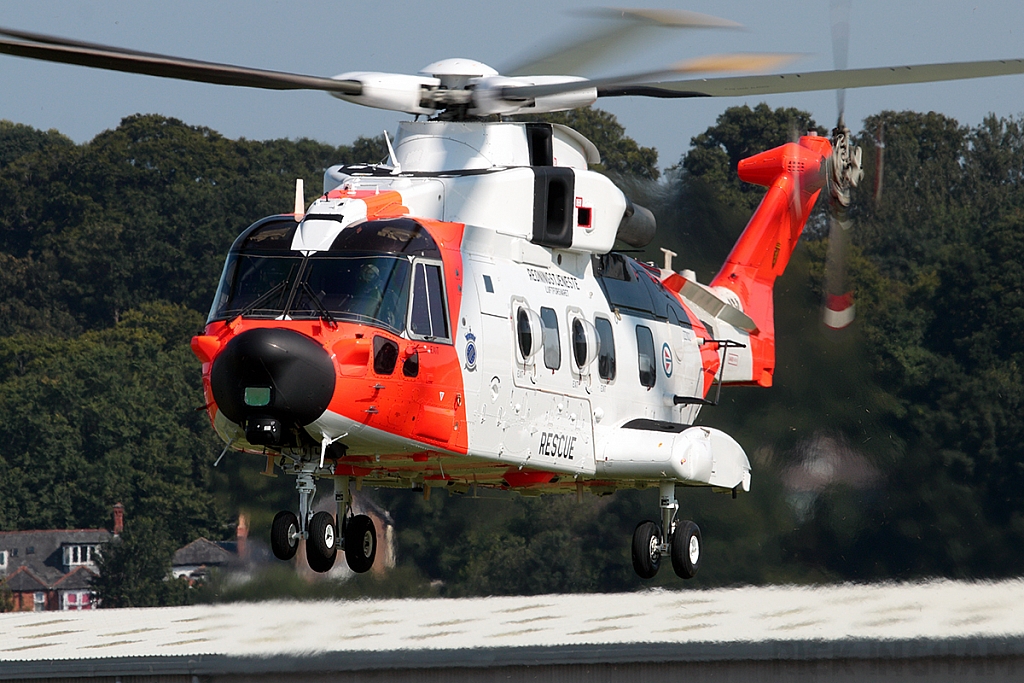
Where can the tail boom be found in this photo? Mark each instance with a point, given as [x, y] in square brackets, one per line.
[794, 174]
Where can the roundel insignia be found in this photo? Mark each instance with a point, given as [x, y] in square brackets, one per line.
[471, 351]
[666, 359]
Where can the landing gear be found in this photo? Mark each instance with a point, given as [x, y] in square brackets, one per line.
[284, 535]
[646, 549]
[321, 546]
[685, 550]
[321, 531]
[681, 541]
[360, 543]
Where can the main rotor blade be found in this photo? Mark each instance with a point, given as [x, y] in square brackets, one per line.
[116, 59]
[840, 46]
[630, 26]
[747, 86]
[708, 64]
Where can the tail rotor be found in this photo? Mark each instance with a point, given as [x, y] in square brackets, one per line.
[844, 172]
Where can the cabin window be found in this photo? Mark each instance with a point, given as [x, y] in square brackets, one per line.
[584, 344]
[606, 349]
[428, 319]
[529, 330]
[621, 285]
[645, 351]
[549, 334]
[579, 343]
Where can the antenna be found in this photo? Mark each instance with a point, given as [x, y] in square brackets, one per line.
[668, 258]
[397, 167]
[300, 200]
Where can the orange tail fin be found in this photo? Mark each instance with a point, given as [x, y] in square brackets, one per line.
[794, 175]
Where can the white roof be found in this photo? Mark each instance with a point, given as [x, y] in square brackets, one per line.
[933, 610]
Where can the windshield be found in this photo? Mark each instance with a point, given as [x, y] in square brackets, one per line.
[366, 276]
[363, 289]
[373, 289]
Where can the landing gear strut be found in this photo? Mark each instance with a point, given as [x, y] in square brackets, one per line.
[681, 541]
[320, 530]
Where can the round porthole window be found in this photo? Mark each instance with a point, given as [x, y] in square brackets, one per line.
[584, 343]
[528, 332]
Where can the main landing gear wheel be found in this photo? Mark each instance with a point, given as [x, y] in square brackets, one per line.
[360, 543]
[686, 550]
[284, 535]
[322, 545]
[646, 549]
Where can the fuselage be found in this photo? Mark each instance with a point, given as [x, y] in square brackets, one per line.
[459, 319]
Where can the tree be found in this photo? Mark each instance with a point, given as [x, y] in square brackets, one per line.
[741, 132]
[140, 213]
[134, 569]
[107, 416]
[6, 598]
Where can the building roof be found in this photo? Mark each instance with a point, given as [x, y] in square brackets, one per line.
[201, 552]
[79, 578]
[22, 580]
[41, 550]
[691, 622]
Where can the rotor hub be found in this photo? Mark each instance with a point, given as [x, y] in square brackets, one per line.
[845, 169]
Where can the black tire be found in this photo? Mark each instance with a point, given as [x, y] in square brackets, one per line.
[686, 550]
[284, 540]
[322, 545]
[646, 555]
[360, 543]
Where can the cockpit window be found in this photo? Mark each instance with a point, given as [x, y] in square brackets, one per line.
[428, 319]
[371, 289]
[366, 276]
[255, 285]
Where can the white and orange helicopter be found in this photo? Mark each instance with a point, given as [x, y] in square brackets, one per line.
[457, 317]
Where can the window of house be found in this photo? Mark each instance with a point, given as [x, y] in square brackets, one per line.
[549, 335]
[606, 349]
[76, 600]
[645, 351]
[39, 601]
[79, 554]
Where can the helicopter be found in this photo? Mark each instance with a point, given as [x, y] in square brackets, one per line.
[458, 316]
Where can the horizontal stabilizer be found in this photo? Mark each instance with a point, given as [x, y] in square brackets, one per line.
[710, 302]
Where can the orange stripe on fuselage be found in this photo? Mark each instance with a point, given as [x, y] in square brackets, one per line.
[387, 204]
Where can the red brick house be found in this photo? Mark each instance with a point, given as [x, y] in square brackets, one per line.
[53, 569]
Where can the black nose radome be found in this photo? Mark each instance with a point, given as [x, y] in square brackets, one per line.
[271, 373]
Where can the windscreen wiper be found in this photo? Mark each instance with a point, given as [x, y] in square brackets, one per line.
[321, 309]
[263, 298]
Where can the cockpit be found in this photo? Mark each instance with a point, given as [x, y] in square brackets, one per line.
[384, 273]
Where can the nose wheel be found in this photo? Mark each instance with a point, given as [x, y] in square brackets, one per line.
[358, 537]
[682, 543]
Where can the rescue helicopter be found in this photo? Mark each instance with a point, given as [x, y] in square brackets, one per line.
[457, 316]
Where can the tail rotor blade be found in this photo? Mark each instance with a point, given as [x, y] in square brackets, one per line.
[844, 173]
[879, 163]
[839, 310]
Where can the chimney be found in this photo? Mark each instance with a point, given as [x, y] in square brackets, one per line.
[241, 535]
[118, 519]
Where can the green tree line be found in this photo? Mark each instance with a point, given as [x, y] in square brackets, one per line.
[110, 252]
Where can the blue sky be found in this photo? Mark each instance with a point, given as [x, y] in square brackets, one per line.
[321, 38]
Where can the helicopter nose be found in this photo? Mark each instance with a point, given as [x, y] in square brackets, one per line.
[271, 380]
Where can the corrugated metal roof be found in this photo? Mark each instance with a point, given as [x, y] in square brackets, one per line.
[905, 612]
